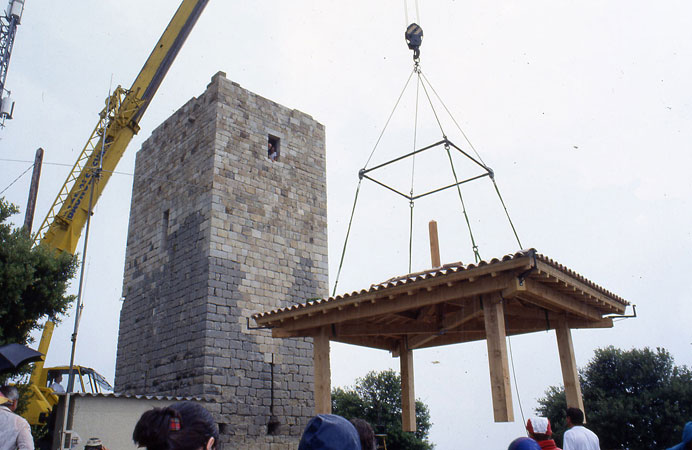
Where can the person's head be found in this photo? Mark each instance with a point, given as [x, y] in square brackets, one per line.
[539, 428]
[524, 443]
[58, 378]
[12, 394]
[686, 443]
[93, 444]
[575, 417]
[366, 433]
[329, 432]
[180, 426]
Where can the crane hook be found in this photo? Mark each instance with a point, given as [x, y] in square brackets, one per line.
[414, 39]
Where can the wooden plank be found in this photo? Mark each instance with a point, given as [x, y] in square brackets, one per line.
[375, 342]
[470, 334]
[524, 325]
[323, 388]
[434, 244]
[493, 312]
[370, 329]
[455, 337]
[385, 306]
[408, 393]
[559, 300]
[570, 376]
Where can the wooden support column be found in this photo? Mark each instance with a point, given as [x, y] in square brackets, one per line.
[434, 244]
[570, 376]
[323, 388]
[408, 392]
[493, 312]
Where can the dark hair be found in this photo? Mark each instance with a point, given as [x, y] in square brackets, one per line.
[366, 434]
[181, 426]
[10, 393]
[576, 416]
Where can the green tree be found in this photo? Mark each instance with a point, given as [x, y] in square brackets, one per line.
[636, 399]
[376, 398]
[33, 281]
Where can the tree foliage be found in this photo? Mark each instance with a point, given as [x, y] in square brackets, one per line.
[376, 398]
[636, 399]
[33, 281]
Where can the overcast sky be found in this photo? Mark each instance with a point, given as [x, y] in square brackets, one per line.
[582, 108]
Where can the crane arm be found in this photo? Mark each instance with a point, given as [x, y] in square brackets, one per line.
[117, 125]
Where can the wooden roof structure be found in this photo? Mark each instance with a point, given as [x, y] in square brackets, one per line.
[520, 293]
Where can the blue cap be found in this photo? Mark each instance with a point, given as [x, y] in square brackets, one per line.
[329, 432]
[524, 443]
[686, 437]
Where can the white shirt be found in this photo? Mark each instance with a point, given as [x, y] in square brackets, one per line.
[580, 438]
[15, 432]
[57, 387]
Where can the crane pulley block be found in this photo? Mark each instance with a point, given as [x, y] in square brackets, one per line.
[414, 39]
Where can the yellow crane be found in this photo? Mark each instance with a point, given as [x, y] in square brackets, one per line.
[117, 125]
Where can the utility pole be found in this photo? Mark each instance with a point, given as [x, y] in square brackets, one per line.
[33, 191]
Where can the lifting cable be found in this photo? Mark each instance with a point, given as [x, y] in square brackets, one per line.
[474, 246]
[416, 69]
[414, 35]
[492, 176]
[360, 179]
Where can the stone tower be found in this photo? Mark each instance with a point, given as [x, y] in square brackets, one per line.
[220, 230]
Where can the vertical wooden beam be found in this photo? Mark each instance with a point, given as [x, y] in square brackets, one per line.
[434, 244]
[323, 388]
[33, 191]
[493, 312]
[408, 392]
[570, 376]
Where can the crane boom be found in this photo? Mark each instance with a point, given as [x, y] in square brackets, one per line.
[117, 125]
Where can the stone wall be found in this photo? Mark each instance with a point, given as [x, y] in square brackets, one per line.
[219, 231]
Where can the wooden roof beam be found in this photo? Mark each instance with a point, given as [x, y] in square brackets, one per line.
[558, 300]
[370, 342]
[417, 300]
[451, 320]
[369, 329]
[545, 269]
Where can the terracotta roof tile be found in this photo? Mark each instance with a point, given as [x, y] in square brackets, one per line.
[442, 271]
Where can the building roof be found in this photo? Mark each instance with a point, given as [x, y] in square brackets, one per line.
[442, 305]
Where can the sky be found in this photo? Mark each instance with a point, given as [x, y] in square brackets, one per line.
[582, 109]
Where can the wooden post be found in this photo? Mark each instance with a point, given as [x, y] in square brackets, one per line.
[408, 393]
[33, 191]
[493, 312]
[323, 388]
[434, 244]
[570, 376]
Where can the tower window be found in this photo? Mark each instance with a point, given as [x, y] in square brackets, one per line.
[273, 147]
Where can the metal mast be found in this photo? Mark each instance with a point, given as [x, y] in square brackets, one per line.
[8, 29]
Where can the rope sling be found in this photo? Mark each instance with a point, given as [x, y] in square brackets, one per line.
[413, 36]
